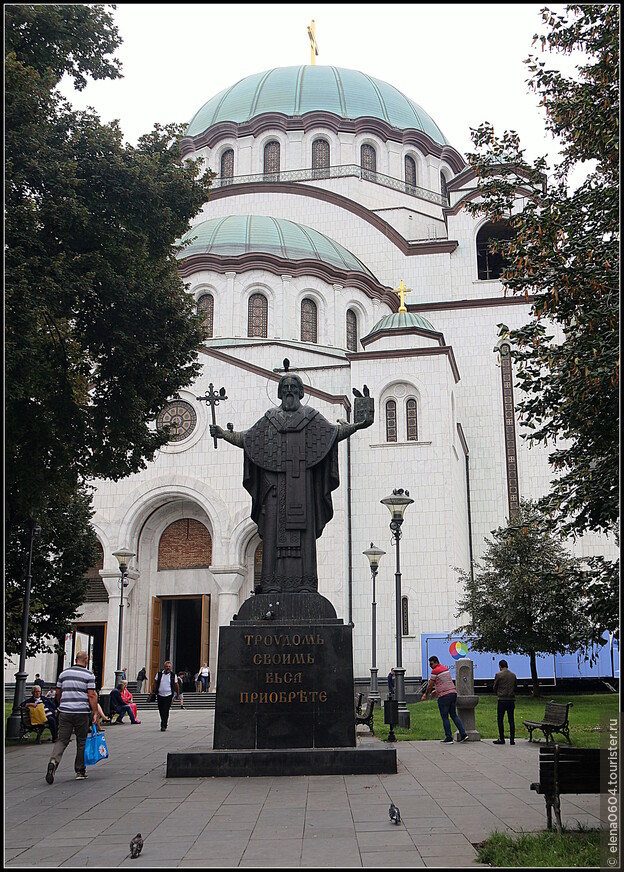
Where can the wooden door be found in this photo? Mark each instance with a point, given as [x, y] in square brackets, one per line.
[154, 664]
[205, 631]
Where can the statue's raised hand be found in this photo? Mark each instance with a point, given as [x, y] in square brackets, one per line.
[363, 409]
[217, 431]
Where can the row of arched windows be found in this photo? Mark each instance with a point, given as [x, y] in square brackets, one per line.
[321, 160]
[258, 319]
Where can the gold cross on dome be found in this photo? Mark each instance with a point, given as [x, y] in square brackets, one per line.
[401, 291]
[313, 43]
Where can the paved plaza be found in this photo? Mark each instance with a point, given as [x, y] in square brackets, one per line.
[450, 797]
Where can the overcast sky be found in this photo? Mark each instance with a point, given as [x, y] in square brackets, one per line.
[463, 63]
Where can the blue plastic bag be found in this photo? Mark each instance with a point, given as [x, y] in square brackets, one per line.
[95, 748]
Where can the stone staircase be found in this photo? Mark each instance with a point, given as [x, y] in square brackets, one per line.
[192, 701]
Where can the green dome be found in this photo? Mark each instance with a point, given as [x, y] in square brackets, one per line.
[293, 91]
[245, 234]
[401, 320]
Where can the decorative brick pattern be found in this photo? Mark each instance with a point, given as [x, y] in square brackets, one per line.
[185, 544]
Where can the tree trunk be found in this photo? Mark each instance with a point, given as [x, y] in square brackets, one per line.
[534, 678]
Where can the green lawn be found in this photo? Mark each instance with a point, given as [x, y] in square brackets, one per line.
[548, 849]
[585, 716]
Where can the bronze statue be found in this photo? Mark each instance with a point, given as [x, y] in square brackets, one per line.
[290, 470]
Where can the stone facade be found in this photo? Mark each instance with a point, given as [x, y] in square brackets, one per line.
[453, 373]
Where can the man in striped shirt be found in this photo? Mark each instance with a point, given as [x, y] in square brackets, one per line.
[77, 701]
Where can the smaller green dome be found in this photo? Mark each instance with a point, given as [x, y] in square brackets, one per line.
[237, 235]
[401, 320]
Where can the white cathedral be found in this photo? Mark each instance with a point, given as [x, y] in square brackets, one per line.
[335, 236]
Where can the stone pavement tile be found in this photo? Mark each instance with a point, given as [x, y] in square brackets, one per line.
[454, 862]
[209, 861]
[232, 817]
[259, 852]
[328, 832]
[342, 852]
[373, 811]
[332, 800]
[229, 843]
[392, 837]
[41, 855]
[328, 817]
[84, 826]
[392, 860]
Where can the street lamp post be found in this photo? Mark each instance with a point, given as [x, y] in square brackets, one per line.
[396, 504]
[374, 556]
[14, 720]
[122, 555]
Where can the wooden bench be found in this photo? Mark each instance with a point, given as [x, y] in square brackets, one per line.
[566, 770]
[26, 728]
[555, 720]
[366, 716]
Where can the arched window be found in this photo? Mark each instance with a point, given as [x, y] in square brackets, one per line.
[185, 544]
[491, 265]
[96, 590]
[410, 173]
[320, 158]
[391, 421]
[412, 421]
[227, 167]
[308, 321]
[352, 331]
[271, 160]
[368, 161]
[404, 616]
[257, 316]
[443, 186]
[205, 307]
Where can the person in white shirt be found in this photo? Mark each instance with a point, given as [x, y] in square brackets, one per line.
[204, 675]
[165, 685]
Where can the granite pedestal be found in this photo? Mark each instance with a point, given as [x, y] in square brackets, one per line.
[284, 700]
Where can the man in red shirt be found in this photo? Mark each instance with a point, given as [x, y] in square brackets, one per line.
[442, 685]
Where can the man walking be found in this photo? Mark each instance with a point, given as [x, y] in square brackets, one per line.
[505, 689]
[77, 703]
[165, 685]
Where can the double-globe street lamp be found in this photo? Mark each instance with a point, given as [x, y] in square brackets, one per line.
[123, 555]
[14, 720]
[374, 556]
[396, 503]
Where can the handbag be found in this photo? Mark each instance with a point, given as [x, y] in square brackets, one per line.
[38, 714]
[152, 697]
[95, 748]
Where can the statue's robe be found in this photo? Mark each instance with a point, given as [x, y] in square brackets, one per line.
[291, 468]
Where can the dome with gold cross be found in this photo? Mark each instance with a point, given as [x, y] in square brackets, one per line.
[296, 91]
[402, 321]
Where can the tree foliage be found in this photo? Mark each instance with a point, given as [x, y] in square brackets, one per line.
[62, 553]
[565, 256]
[523, 595]
[99, 328]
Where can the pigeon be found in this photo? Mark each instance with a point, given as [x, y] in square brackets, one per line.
[230, 427]
[365, 391]
[394, 814]
[135, 846]
[286, 364]
[356, 393]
